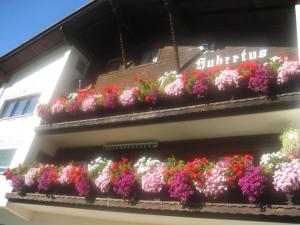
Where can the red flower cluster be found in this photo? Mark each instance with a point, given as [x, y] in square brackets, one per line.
[119, 168]
[247, 69]
[236, 166]
[198, 170]
[172, 167]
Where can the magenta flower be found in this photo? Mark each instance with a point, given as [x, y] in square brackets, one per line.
[125, 185]
[110, 101]
[45, 181]
[259, 82]
[181, 187]
[253, 184]
[71, 106]
[200, 87]
[17, 182]
[82, 185]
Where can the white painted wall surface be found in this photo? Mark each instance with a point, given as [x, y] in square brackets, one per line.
[46, 76]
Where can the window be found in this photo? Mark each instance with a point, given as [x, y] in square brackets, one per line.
[150, 56]
[113, 65]
[6, 156]
[18, 107]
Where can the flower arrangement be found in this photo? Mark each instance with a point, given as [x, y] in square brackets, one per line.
[269, 160]
[119, 168]
[150, 172]
[259, 82]
[286, 177]
[125, 184]
[249, 75]
[181, 187]
[253, 184]
[287, 70]
[235, 167]
[247, 69]
[127, 98]
[290, 139]
[103, 179]
[30, 177]
[82, 183]
[216, 183]
[198, 170]
[228, 78]
[48, 178]
[172, 167]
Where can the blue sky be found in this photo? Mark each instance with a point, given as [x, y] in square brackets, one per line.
[22, 19]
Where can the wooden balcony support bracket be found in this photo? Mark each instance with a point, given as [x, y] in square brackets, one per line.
[173, 32]
[120, 30]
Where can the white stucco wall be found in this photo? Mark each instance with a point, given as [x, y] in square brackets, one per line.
[47, 76]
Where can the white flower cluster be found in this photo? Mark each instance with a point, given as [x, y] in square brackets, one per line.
[167, 78]
[144, 165]
[270, 160]
[98, 163]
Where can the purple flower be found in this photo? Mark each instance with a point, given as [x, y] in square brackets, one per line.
[82, 185]
[17, 183]
[181, 187]
[110, 101]
[260, 81]
[45, 181]
[253, 184]
[200, 87]
[125, 185]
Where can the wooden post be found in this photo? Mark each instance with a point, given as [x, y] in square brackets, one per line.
[297, 12]
[121, 36]
[173, 34]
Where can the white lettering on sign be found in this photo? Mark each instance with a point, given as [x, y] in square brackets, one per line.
[203, 63]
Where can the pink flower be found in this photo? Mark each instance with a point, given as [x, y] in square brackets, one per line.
[127, 98]
[57, 107]
[103, 180]
[227, 78]
[88, 104]
[153, 179]
[216, 183]
[175, 88]
[30, 177]
[287, 176]
[287, 70]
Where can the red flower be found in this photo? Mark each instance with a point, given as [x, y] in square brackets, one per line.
[247, 69]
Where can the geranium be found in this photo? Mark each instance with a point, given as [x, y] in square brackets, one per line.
[173, 166]
[146, 91]
[88, 104]
[287, 70]
[125, 184]
[290, 139]
[30, 178]
[20, 170]
[286, 177]
[247, 69]
[48, 178]
[261, 79]
[150, 172]
[253, 184]
[174, 88]
[276, 62]
[198, 170]
[152, 96]
[215, 182]
[270, 160]
[103, 180]
[110, 101]
[127, 98]
[181, 187]
[119, 168]
[65, 174]
[228, 78]
[236, 166]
